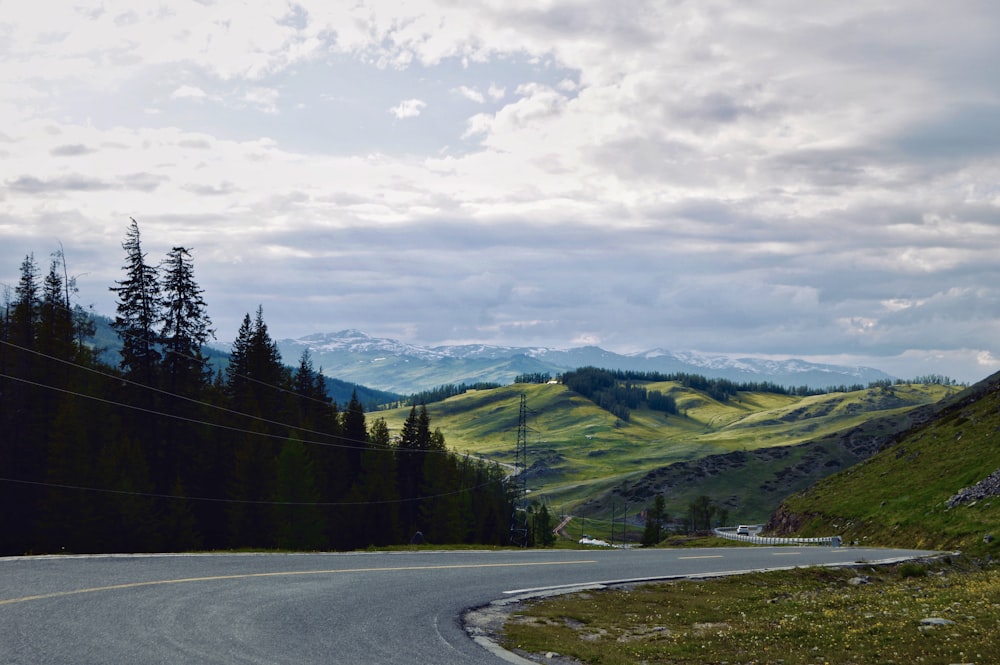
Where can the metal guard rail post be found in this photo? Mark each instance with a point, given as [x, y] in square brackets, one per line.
[729, 533]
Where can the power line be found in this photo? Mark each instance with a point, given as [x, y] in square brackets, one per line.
[349, 443]
[169, 496]
[175, 395]
[229, 428]
[202, 361]
[153, 495]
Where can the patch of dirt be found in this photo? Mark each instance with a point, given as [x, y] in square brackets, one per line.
[487, 622]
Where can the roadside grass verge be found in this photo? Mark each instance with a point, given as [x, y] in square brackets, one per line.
[866, 614]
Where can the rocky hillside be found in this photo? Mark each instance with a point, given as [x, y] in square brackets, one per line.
[934, 486]
[750, 484]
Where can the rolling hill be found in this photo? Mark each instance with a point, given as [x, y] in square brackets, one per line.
[910, 493]
[582, 459]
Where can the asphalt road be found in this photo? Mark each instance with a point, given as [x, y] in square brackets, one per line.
[376, 608]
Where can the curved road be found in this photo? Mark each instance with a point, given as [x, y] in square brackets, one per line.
[354, 608]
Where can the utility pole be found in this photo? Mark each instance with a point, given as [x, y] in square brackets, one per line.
[519, 518]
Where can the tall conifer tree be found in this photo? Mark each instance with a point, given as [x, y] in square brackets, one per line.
[138, 313]
[378, 488]
[185, 325]
[355, 436]
[184, 329]
[21, 452]
[55, 316]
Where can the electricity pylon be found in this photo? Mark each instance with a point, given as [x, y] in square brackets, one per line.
[519, 518]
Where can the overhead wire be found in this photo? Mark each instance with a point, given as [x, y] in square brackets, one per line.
[228, 428]
[291, 393]
[321, 504]
[368, 445]
[281, 389]
[192, 400]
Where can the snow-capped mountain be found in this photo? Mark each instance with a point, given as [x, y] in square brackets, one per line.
[387, 364]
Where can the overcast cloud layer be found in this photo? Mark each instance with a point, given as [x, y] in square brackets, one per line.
[817, 180]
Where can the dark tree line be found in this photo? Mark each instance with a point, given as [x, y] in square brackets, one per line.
[161, 453]
[441, 393]
[702, 515]
[533, 377]
[616, 393]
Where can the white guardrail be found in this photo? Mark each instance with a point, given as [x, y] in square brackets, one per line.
[748, 534]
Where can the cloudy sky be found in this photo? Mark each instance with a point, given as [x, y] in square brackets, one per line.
[817, 180]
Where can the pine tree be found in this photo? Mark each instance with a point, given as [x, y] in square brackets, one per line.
[129, 517]
[22, 454]
[185, 325]
[62, 328]
[27, 301]
[413, 444]
[255, 383]
[655, 516]
[300, 523]
[266, 377]
[318, 414]
[138, 312]
[69, 519]
[184, 329]
[355, 434]
[378, 488]
[237, 385]
[542, 524]
[440, 515]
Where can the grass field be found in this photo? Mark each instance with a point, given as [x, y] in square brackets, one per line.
[912, 613]
[577, 451]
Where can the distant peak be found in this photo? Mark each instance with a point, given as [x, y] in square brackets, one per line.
[351, 332]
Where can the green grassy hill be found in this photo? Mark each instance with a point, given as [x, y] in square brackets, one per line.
[899, 496]
[583, 458]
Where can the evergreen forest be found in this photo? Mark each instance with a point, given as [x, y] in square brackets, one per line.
[160, 452]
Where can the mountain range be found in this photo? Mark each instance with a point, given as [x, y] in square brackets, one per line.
[391, 365]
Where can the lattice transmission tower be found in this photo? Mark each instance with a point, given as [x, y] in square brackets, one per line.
[519, 518]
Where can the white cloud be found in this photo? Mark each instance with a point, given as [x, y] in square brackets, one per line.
[815, 179]
[188, 92]
[496, 92]
[264, 99]
[408, 108]
[472, 94]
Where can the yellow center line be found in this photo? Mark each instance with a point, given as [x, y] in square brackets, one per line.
[706, 556]
[289, 573]
[786, 553]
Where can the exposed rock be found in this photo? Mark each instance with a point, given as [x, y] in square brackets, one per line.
[783, 521]
[988, 487]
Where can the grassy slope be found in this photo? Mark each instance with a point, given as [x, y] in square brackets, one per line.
[578, 451]
[898, 496]
[751, 483]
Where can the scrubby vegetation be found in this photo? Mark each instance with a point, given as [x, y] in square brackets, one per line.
[854, 615]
